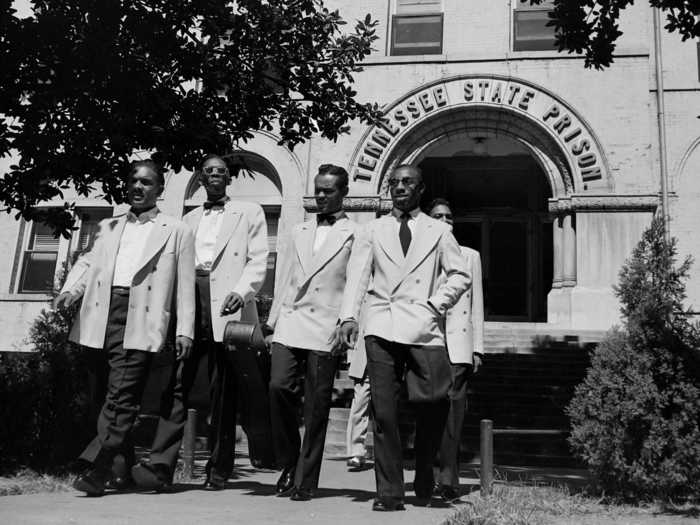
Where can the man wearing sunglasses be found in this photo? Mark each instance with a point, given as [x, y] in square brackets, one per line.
[398, 262]
[230, 267]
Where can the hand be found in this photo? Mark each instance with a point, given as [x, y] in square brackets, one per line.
[232, 304]
[348, 333]
[477, 364]
[336, 342]
[268, 340]
[183, 347]
[64, 300]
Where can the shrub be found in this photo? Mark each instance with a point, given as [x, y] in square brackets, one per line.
[636, 416]
[45, 403]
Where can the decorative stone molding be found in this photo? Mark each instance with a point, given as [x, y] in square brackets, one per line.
[357, 203]
[607, 203]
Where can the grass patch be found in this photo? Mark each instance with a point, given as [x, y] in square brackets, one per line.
[544, 505]
[30, 482]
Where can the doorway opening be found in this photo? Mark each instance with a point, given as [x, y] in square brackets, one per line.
[498, 192]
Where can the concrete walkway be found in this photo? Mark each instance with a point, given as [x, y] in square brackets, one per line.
[345, 498]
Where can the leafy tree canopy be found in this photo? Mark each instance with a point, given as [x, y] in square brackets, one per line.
[591, 26]
[86, 83]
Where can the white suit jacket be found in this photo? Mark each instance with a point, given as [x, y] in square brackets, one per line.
[240, 260]
[464, 326]
[404, 287]
[163, 286]
[304, 313]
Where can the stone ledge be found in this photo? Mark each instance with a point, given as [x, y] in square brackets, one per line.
[607, 203]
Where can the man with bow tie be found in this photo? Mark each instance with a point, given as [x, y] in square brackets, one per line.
[230, 266]
[137, 279]
[398, 261]
[304, 318]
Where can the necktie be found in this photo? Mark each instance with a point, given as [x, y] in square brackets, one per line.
[208, 205]
[326, 217]
[404, 233]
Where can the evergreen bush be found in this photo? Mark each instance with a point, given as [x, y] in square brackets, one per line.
[46, 412]
[636, 416]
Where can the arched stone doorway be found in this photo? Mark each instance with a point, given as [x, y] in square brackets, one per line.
[520, 212]
[499, 195]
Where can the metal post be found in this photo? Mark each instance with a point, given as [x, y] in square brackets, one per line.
[661, 117]
[188, 443]
[486, 451]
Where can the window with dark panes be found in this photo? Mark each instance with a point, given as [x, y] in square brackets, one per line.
[89, 221]
[39, 260]
[416, 27]
[530, 29]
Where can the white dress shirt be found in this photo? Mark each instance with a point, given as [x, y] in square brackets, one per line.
[131, 245]
[323, 229]
[205, 238]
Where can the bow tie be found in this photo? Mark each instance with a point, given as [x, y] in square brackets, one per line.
[208, 205]
[326, 217]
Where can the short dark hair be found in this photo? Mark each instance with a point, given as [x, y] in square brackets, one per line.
[151, 165]
[416, 169]
[438, 201]
[338, 171]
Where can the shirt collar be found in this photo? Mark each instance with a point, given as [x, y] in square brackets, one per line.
[144, 216]
[217, 205]
[398, 213]
[338, 215]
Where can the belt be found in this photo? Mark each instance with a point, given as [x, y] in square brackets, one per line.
[202, 272]
[120, 290]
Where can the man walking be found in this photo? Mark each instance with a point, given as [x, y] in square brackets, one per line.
[304, 318]
[138, 273]
[404, 253]
[230, 266]
[464, 329]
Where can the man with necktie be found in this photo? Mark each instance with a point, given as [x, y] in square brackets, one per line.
[403, 255]
[136, 284]
[464, 329]
[304, 319]
[230, 266]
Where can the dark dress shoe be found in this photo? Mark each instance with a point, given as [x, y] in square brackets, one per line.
[91, 482]
[152, 476]
[119, 483]
[299, 494]
[448, 494]
[387, 505]
[214, 484]
[285, 483]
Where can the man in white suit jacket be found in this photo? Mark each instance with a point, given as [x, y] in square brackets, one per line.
[136, 285]
[304, 318]
[404, 254]
[231, 263]
[465, 343]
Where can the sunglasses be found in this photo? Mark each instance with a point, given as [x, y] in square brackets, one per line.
[406, 181]
[210, 170]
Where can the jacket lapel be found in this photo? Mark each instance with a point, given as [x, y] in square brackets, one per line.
[304, 245]
[228, 226]
[112, 240]
[192, 219]
[156, 239]
[389, 240]
[338, 234]
[425, 237]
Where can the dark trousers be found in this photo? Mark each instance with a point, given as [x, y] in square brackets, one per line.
[222, 385]
[289, 365]
[448, 470]
[126, 379]
[428, 381]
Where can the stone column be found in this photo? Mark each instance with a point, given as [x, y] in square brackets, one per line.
[569, 250]
[558, 252]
